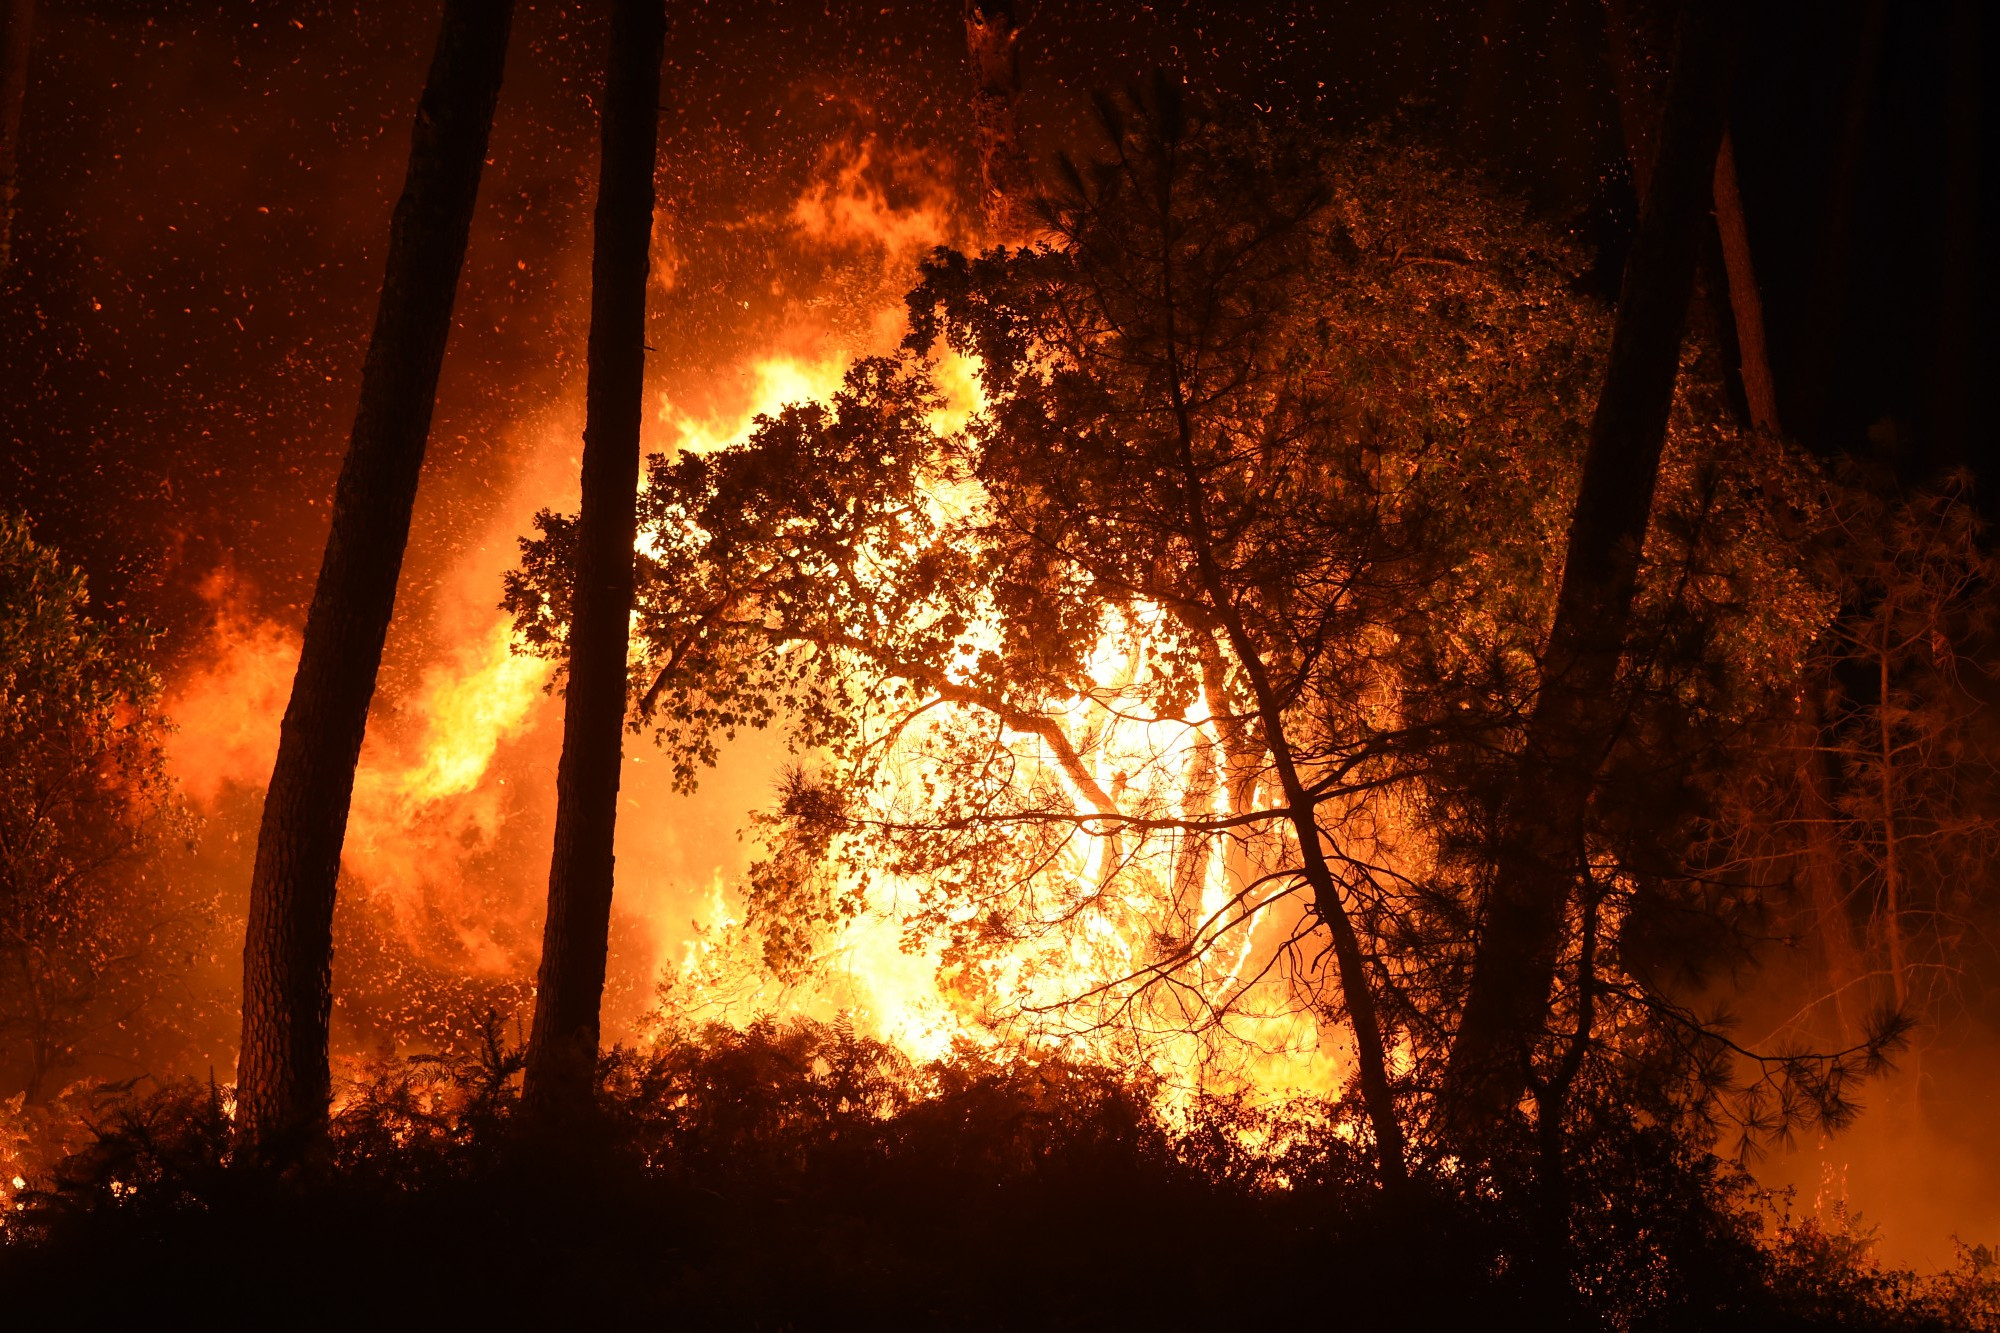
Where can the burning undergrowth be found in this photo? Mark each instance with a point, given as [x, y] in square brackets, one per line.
[803, 1175]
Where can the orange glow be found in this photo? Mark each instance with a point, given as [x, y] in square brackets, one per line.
[767, 385]
[226, 711]
[424, 807]
[851, 203]
[429, 797]
[1275, 1047]
[447, 835]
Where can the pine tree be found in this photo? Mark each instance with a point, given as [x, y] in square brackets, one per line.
[282, 1075]
[562, 1049]
[1541, 826]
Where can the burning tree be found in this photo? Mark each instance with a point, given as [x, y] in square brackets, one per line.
[1200, 655]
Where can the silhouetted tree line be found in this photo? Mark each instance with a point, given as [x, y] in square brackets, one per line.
[802, 1176]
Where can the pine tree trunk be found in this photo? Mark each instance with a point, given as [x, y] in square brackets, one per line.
[1355, 983]
[1825, 881]
[1631, 41]
[17, 35]
[282, 1079]
[562, 1048]
[1760, 390]
[1542, 822]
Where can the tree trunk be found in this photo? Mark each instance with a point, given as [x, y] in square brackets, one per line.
[992, 39]
[1542, 822]
[1631, 40]
[282, 1079]
[1760, 391]
[1356, 987]
[562, 1048]
[1552, 1099]
[17, 35]
[1892, 863]
[1825, 881]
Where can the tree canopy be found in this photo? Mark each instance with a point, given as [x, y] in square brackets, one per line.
[1169, 688]
[84, 800]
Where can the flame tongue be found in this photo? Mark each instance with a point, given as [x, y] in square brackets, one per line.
[447, 837]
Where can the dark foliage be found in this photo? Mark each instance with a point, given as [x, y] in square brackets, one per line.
[805, 1177]
[94, 951]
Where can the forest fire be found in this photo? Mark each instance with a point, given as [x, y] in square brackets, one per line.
[900, 643]
[431, 787]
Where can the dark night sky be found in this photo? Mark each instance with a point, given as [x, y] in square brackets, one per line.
[206, 189]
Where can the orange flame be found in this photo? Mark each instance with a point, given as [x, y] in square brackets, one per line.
[851, 204]
[226, 711]
[448, 766]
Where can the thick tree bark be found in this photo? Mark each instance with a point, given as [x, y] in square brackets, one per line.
[282, 1080]
[1632, 40]
[562, 1048]
[1542, 822]
[17, 34]
[992, 39]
